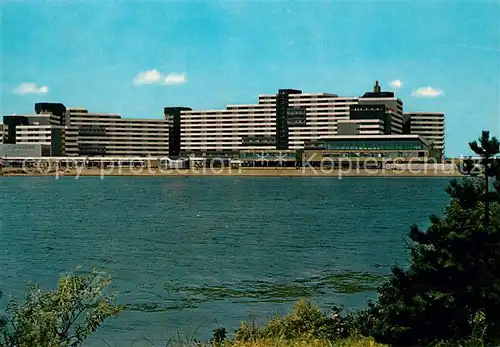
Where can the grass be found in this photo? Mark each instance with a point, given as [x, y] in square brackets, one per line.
[350, 342]
[298, 342]
[305, 326]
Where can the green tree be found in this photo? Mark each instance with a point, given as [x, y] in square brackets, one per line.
[451, 289]
[62, 317]
[488, 149]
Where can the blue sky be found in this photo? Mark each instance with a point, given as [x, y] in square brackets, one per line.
[208, 54]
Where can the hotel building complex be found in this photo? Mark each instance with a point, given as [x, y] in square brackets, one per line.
[289, 120]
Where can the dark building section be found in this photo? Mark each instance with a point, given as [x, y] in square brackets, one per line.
[282, 102]
[57, 109]
[258, 141]
[347, 128]
[173, 115]
[11, 122]
[57, 142]
[406, 124]
[88, 150]
[296, 116]
[371, 111]
[393, 106]
[96, 132]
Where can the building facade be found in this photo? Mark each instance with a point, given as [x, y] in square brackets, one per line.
[392, 115]
[427, 124]
[98, 134]
[50, 137]
[42, 129]
[282, 121]
[287, 120]
[62, 131]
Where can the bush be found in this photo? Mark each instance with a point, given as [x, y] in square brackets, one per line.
[248, 332]
[306, 321]
[63, 317]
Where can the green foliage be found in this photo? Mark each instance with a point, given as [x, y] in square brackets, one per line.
[218, 336]
[451, 290]
[306, 321]
[63, 317]
[248, 332]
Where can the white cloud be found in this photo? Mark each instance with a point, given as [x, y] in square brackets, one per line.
[147, 77]
[30, 88]
[396, 84]
[175, 78]
[155, 77]
[427, 92]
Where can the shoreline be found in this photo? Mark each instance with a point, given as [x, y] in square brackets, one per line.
[230, 172]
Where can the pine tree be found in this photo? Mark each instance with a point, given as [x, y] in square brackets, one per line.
[488, 149]
[451, 289]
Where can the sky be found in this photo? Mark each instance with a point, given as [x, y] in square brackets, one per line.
[134, 58]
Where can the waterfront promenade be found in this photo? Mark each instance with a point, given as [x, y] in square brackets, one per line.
[431, 171]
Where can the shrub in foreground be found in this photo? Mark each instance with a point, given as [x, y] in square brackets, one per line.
[63, 317]
[306, 321]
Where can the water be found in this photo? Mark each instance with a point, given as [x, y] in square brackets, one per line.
[190, 253]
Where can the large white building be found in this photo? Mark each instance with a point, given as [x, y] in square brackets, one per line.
[235, 128]
[98, 134]
[288, 120]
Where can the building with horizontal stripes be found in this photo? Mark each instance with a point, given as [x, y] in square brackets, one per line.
[36, 129]
[427, 124]
[101, 134]
[50, 137]
[76, 132]
[288, 119]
